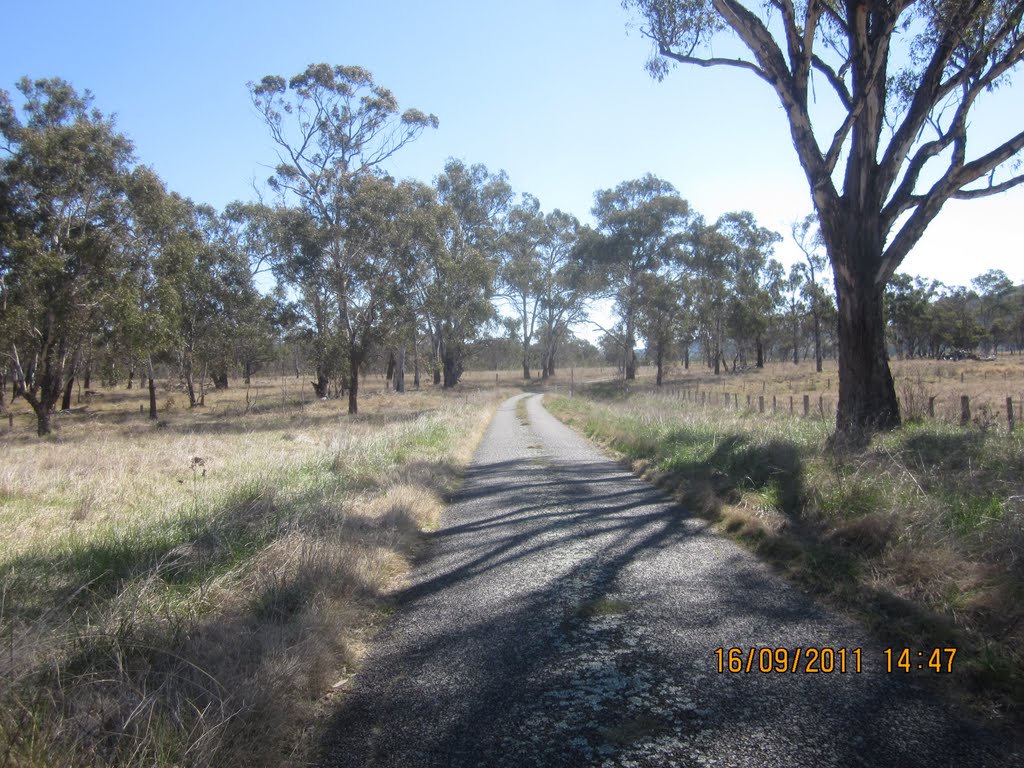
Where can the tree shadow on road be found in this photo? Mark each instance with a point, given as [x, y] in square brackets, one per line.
[516, 644]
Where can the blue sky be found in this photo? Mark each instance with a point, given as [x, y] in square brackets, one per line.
[553, 92]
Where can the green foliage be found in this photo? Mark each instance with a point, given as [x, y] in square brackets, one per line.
[928, 319]
[663, 317]
[639, 232]
[63, 262]
[333, 124]
[734, 283]
[346, 231]
[457, 282]
[539, 279]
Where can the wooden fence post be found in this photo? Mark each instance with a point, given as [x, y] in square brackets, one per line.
[1009, 413]
[748, 401]
[760, 403]
[790, 405]
[807, 405]
[931, 407]
[965, 410]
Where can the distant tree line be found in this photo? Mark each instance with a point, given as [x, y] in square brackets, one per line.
[928, 319]
[107, 276]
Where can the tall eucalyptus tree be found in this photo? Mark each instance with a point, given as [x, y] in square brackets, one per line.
[459, 281]
[808, 239]
[901, 81]
[63, 181]
[334, 127]
[520, 272]
[563, 289]
[639, 230]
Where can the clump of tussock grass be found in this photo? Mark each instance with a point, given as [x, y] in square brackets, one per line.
[191, 596]
[920, 534]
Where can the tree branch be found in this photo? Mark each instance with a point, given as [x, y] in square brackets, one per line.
[991, 189]
[837, 82]
[793, 39]
[838, 20]
[667, 52]
[977, 61]
[904, 198]
[927, 94]
[758, 39]
[952, 184]
[983, 165]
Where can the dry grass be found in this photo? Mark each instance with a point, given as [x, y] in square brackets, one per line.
[987, 384]
[920, 535]
[193, 592]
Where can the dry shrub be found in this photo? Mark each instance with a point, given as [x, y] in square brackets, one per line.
[868, 535]
[914, 398]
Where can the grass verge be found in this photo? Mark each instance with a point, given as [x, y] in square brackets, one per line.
[920, 536]
[194, 593]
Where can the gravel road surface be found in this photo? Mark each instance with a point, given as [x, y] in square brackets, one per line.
[567, 614]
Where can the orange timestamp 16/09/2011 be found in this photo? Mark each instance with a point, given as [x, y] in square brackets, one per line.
[824, 660]
[811, 660]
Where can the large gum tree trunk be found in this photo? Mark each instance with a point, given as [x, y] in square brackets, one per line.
[817, 338]
[438, 344]
[526, 345]
[152, 399]
[152, 392]
[42, 399]
[867, 396]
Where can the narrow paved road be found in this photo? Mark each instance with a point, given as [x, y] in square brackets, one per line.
[567, 614]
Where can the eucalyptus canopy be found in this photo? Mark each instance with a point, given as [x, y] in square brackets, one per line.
[885, 151]
[64, 172]
[639, 231]
[334, 127]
